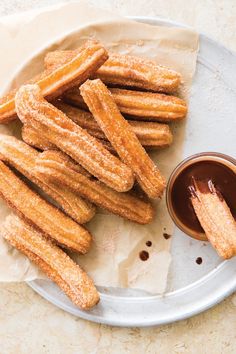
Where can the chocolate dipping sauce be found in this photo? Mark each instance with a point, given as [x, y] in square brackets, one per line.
[223, 178]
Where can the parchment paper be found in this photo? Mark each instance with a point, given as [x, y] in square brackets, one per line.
[114, 258]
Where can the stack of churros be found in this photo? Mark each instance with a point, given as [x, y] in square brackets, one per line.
[88, 121]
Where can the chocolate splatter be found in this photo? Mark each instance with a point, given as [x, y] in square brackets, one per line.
[149, 243]
[143, 255]
[199, 260]
[166, 236]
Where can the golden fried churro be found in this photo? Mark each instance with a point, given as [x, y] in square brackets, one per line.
[40, 214]
[215, 217]
[119, 133]
[107, 145]
[148, 106]
[72, 139]
[152, 134]
[128, 71]
[131, 71]
[148, 133]
[53, 83]
[57, 57]
[51, 165]
[34, 138]
[23, 158]
[55, 263]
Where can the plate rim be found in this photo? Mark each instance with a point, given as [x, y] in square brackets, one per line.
[145, 323]
[217, 298]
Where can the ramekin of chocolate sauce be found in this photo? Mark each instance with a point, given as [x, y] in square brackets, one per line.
[207, 167]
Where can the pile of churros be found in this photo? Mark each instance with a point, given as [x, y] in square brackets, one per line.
[88, 119]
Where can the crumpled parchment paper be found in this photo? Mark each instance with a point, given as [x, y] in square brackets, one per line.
[114, 258]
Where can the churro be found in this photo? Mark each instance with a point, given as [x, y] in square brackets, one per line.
[53, 166]
[124, 141]
[215, 217]
[34, 138]
[23, 158]
[55, 263]
[131, 71]
[149, 133]
[40, 214]
[57, 58]
[138, 105]
[127, 71]
[78, 68]
[72, 139]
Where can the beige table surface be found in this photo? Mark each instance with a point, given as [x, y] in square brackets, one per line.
[29, 324]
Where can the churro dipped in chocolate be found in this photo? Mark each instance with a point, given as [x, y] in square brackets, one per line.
[53, 82]
[23, 158]
[215, 217]
[69, 137]
[40, 214]
[122, 138]
[55, 263]
[53, 166]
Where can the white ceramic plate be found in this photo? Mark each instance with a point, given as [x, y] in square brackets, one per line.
[192, 288]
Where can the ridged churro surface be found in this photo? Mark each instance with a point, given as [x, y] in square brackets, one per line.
[72, 139]
[139, 105]
[34, 138]
[52, 261]
[148, 133]
[23, 158]
[54, 82]
[40, 214]
[53, 166]
[128, 71]
[122, 138]
[215, 217]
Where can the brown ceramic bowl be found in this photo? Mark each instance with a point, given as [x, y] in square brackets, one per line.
[205, 156]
